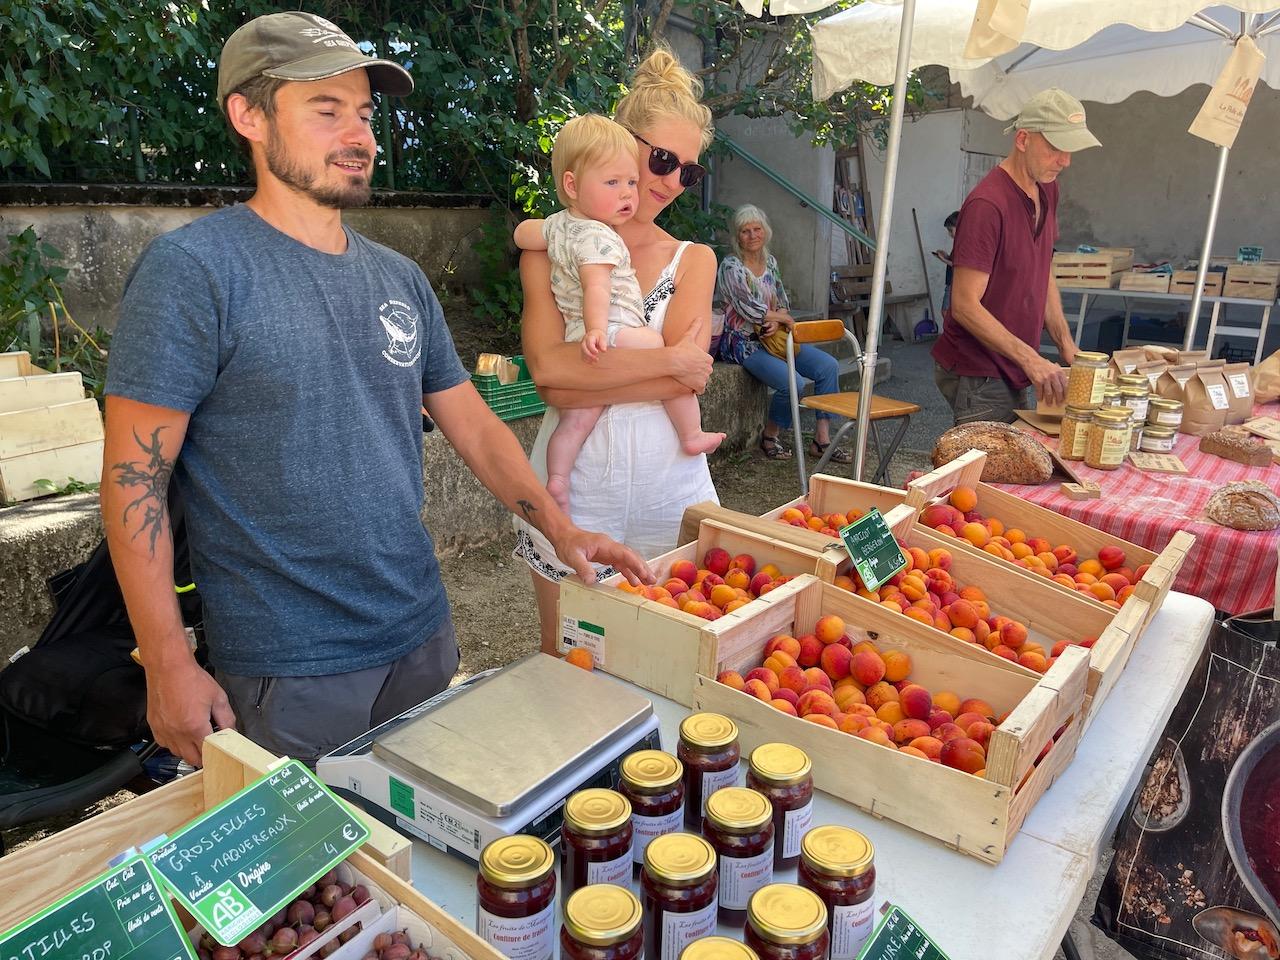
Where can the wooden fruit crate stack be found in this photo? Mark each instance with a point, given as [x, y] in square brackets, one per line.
[1252, 281]
[1102, 268]
[49, 430]
[1184, 281]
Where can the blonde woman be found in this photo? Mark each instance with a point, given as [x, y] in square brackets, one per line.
[636, 479]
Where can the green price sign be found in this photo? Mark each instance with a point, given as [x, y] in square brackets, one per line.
[1249, 254]
[874, 552]
[122, 915]
[899, 937]
[249, 856]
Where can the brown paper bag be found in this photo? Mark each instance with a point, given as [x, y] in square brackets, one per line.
[1266, 379]
[1172, 384]
[1215, 364]
[997, 28]
[1205, 403]
[1223, 111]
[1125, 361]
[1193, 356]
[1152, 371]
[1159, 352]
[1239, 392]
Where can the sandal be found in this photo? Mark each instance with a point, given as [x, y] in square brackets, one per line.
[772, 448]
[817, 449]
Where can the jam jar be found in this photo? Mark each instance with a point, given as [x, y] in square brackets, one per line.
[602, 922]
[718, 948]
[654, 783]
[783, 773]
[739, 824]
[516, 892]
[595, 842]
[708, 749]
[787, 922]
[838, 864]
[678, 890]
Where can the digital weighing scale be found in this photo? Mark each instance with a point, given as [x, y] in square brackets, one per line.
[494, 756]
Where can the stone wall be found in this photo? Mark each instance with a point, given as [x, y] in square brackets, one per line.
[101, 230]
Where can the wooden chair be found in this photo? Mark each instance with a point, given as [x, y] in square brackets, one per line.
[841, 404]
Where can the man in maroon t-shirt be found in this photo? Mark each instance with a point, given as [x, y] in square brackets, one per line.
[1003, 296]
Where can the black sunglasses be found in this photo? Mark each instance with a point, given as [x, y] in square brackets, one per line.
[662, 162]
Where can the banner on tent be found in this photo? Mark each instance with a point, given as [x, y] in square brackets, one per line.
[1223, 111]
[997, 28]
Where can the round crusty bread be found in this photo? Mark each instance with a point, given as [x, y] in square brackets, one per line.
[1012, 456]
[1247, 505]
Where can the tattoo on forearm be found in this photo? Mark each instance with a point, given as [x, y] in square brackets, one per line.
[528, 509]
[152, 479]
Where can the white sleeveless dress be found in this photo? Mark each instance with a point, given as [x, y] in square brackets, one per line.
[631, 481]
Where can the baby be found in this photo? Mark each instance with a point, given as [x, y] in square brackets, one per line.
[594, 161]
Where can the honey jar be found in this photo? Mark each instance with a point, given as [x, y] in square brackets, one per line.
[602, 922]
[1075, 428]
[1163, 412]
[709, 750]
[739, 825]
[783, 773]
[787, 922]
[1159, 439]
[516, 894]
[595, 841]
[838, 864]
[678, 893]
[1108, 439]
[653, 782]
[1135, 398]
[1086, 379]
[1110, 395]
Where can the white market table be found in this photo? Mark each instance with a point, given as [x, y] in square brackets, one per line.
[1258, 333]
[1022, 907]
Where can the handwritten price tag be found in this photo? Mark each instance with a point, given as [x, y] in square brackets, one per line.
[1157, 462]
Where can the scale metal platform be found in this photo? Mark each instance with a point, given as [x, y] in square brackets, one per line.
[495, 755]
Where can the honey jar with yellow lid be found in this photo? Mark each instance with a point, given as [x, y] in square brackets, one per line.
[1108, 439]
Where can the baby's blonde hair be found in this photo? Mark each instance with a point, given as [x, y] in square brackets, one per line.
[585, 141]
[661, 88]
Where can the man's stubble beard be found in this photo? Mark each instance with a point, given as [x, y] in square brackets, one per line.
[355, 194]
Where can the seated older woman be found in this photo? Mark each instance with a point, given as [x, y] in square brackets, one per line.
[756, 308]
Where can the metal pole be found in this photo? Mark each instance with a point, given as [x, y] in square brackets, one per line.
[876, 317]
[1206, 249]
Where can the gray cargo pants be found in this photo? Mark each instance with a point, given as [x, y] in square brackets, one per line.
[980, 398]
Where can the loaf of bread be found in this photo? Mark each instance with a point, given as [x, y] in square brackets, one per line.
[1248, 505]
[1240, 447]
[1012, 456]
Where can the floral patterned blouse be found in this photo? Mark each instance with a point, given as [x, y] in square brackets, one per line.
[745, 298]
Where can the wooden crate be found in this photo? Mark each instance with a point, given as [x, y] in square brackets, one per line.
[1252, 281]
[60, 443]
[1143, 282]
[17, 365]
[1100, 269]
[39, 390]
[977, 816]
[36, 876]
[1184, 281]
[656, 646]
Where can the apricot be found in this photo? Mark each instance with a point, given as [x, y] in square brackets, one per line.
[974, 705]
[875, 735]
[1021, 551]
[778, 661]
[733, 605]
[675, 585]
[846, 697]
[821, 719]
[771, 569]
[1048, 561]
[738, 579]
[766, 676]
[853, 722]
[964, 499]
[965, 718]
[1014, 535]
[919, 558]
[711, 580]
[940, 558]
[868, 667]
[810, 651]
[1093, 567]
[1111, 557]
[897, 665]
[936, 515]
[788, 695]
[731, 678]
[667, 602]
[942, 622]
[976, 533]
[947, 731]
[580, 657]
[829, 629]
[1065, 580]
[1125, 594]
[784, 706]
[791, 514]
[1013, 634]
[890, 712]
[908, 729]
[817, 679]
[1102, 591]
[722, 595]
[981, 630]
[963, 633]
[1115, 581]
[964, 754]
[817, 701]
[878, 694]
[745, 562]
[836, 660]
[759, 689]
[913, 752]
[980, 731]
[917, 702]
[937, 718]
[931, 747]
[793, 678]
[1005, 651]
[784, 642]
[845, 583]
[815, 523]
[684, 570]
[1140, 572]
[996, 527]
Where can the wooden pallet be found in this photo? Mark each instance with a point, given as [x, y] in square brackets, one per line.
[36, 876]
[976, 816]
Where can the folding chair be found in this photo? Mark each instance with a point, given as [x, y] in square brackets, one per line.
[841, 404]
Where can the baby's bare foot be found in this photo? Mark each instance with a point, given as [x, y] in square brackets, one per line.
[701, 443]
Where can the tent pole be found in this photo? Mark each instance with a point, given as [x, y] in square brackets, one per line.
[876, 318]
[1206, 251]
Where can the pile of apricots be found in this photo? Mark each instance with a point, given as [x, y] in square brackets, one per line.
[721, 585]
[867, 692]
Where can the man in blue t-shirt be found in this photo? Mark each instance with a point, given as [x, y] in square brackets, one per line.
[275, 363]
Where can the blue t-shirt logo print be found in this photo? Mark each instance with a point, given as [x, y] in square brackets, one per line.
[400, 321]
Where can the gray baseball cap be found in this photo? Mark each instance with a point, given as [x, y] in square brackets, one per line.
[300, 46]
[1060, 117]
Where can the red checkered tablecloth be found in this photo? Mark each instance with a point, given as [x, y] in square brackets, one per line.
[1235, 570]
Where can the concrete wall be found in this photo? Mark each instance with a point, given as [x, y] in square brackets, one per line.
[101, 240]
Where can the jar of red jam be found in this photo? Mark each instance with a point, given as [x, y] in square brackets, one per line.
[718, 948]
[678, 890]
[708, 749]
[739, 825]
[602, 922]
[653, 782]
[783, 773]
[517, 898]
[786, 922]
[595, 841]
[838, 864]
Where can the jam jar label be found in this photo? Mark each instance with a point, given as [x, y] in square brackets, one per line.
[850, 928]
[617, 871]
[519, 938]
[681, 929]
[795, 824]
[740, 878]
[645, 829]
[714, 780]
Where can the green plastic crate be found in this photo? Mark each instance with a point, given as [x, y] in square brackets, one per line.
[510, 401]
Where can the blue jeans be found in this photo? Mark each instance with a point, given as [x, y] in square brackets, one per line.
[822, 368]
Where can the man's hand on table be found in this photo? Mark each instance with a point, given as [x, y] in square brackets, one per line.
[1049, 379]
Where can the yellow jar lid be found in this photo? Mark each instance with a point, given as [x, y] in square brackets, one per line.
[602, 914]
[784, 913]
[516, 861]
[1112, 416]
[1131, 390]
[1133, 380]
[738, 809]
[708, 730]
[718, 948]
[780, 763]
[1079, 413]
[1165, 403]
[680, 858]
[837, 851]
[596, 811]
[1087, 357]
[651, 770]
[1159, 431]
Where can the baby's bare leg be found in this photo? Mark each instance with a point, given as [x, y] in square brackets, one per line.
[563, 447]
[683, 412]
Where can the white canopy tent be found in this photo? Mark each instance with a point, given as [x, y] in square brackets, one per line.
[1099, 50]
